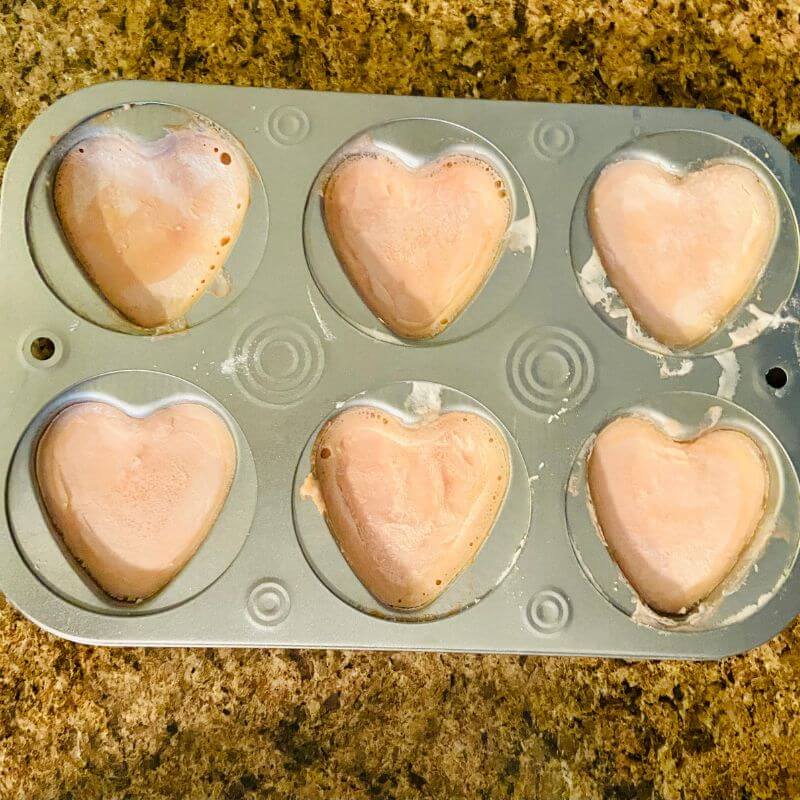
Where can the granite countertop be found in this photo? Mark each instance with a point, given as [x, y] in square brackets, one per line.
[80, 722]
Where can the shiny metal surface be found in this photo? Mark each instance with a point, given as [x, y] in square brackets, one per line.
[289, 345]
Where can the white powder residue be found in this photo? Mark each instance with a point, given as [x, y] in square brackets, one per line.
[74, 326]
[573, 485]
[644, 615]
[712, 417]
[521, 234]
[598, 291]
[761, 322]
[749, 331]
[327, 333]
[671, 426]
[425, 399]
[339, 404]
[698, 617]
[636, 335]
[561, 411]
[594, 283]
[221, 285]
[683, 368]
[535, 477]
[179, 325]
[729, 375]
[678, 430]
[232, 364]
[748, 610]
[685, 619]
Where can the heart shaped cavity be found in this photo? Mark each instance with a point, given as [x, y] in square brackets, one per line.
[675, 515]
[134, 498]
[409, 505]
[682, 251]
[416, 244]
[152, 222]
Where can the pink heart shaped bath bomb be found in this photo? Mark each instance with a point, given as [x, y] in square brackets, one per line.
[152, 222]
[417, 244]
[134, 498]
[682, 252]
[676, 516]
[409, 506]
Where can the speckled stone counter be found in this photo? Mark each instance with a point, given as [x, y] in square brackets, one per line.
[79, 722]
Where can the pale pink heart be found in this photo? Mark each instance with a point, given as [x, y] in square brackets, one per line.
[682, 252]
[676, 516]
[152, 222]
[416, 244]
[134, 498]
[409, 505]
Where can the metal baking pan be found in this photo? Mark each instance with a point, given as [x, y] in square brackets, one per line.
[291, 344]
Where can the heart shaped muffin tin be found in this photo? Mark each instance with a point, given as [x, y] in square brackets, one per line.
[536, 341]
